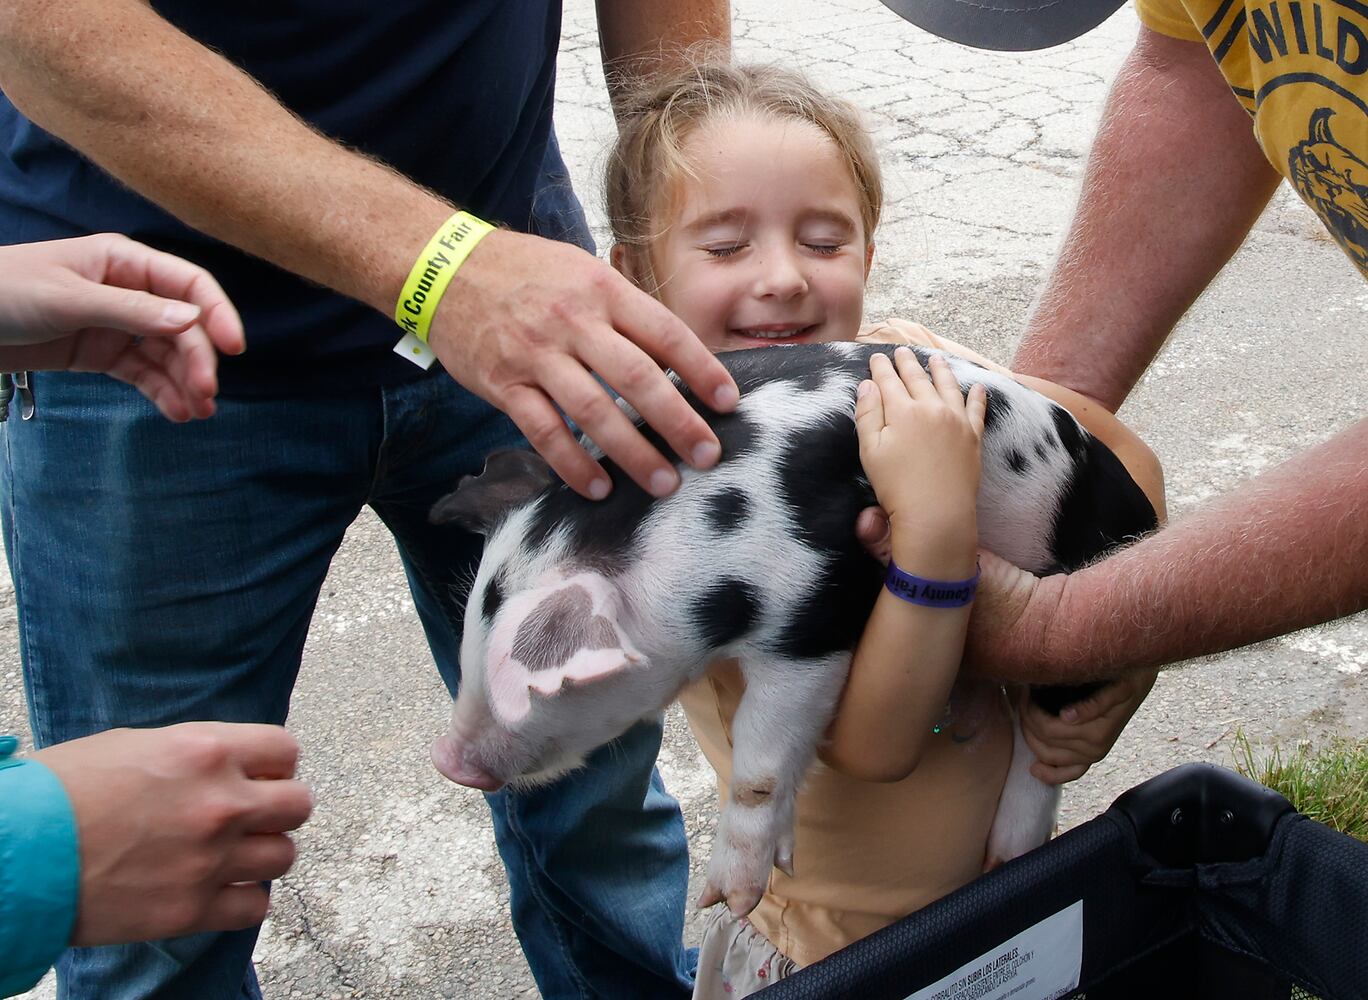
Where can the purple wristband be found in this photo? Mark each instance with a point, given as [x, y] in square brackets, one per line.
[930, 593]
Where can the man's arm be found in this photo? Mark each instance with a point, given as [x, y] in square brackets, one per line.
[525, 322]
[643, 37]
[1285, 551]
[1173, 184]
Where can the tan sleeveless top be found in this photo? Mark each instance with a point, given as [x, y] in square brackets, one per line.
[868, 853]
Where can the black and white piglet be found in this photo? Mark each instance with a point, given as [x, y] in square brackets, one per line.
[585, 617]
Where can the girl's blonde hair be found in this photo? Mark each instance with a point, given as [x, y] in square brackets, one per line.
[648, 158]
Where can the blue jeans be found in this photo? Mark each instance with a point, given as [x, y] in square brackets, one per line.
[166, 573]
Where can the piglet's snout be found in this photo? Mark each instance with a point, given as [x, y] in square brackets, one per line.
[455, 760]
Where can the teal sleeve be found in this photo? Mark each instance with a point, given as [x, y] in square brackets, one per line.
[39, 870]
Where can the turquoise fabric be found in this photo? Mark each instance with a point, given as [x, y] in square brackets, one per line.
[39, 870]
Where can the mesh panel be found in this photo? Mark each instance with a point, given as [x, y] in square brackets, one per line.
[1304, 912]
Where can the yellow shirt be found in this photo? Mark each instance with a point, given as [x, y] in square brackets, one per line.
[1300, 68]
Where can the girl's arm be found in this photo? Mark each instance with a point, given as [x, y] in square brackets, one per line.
[919, 444]
[1068, 744]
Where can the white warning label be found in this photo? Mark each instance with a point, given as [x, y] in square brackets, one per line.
[1043, 962]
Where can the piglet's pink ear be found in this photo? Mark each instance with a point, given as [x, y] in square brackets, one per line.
[584, 668]
[558, 637]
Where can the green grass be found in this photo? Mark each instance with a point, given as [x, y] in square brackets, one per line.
[1329, 784]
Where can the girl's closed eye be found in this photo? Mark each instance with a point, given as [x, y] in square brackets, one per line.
[731, 249]
[826, 233]
[725, 250]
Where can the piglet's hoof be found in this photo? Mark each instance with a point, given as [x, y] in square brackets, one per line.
[783, 854]
[738, 873]
[740, 903]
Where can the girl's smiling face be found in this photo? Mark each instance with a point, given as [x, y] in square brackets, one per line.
[765, 244]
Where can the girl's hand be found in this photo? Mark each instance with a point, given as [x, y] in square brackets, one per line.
[919, 445]
[1084, 732]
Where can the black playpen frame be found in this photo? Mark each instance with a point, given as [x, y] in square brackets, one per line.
[1198, 883]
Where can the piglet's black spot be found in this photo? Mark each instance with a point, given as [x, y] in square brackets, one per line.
[1102, 507]
[559, 627]
[1042, 450]
[1017, 461]
[601, 531]
[822, 483]
[999, 408]
[493, 598]
[726, 612]
[1070, 436]
[727, 509]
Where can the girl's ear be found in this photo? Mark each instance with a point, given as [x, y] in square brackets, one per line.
[626, 261]
[869, 258]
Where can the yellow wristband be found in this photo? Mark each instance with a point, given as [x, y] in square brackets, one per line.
[444, 253]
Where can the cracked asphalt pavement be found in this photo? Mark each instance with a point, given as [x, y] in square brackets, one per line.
[398, 891]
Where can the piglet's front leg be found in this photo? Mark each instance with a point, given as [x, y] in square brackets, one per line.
[781, 718]
[1027, 808]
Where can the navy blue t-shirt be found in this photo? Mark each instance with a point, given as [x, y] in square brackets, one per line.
[457, 94]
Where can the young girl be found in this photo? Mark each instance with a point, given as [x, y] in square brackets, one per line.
[746, 201]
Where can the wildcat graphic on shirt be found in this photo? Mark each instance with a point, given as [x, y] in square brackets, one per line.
[1334, 182]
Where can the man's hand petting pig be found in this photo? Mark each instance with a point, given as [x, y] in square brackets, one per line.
[1083, 733]
[109, 304]
[538, 320]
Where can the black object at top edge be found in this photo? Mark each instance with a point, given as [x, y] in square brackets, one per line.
[1202, 814]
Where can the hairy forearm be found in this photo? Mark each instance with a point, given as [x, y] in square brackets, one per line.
[1286, 550]
[185, 128]
[641, 38]
[1173, 184]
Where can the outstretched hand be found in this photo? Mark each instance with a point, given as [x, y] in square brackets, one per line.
[179, 826]
[109, 304]
[528, 323]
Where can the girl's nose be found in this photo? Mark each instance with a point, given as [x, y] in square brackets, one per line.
[779, 276]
